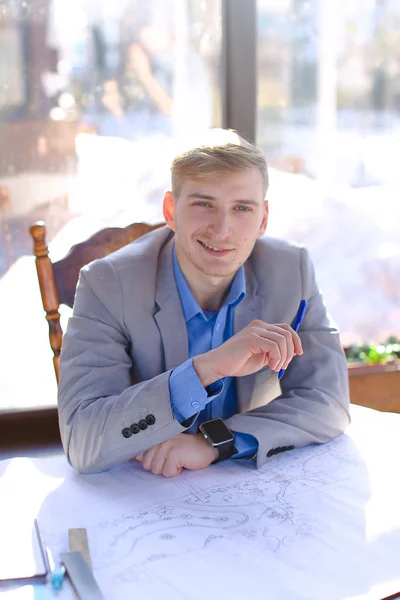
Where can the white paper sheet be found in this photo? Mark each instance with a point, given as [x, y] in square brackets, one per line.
[319, 522]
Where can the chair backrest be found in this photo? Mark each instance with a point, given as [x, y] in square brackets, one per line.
[58, 280]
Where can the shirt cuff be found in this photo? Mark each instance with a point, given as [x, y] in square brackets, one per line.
[246, 445]
[187, 394]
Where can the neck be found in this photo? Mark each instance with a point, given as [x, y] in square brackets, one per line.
[210, 292]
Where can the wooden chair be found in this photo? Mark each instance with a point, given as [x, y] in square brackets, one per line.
[58, 280]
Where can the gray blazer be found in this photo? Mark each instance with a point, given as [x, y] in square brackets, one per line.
[128, 332]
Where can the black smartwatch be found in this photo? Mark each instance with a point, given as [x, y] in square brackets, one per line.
[219, 436]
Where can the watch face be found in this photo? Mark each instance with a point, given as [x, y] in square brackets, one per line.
[217, 431]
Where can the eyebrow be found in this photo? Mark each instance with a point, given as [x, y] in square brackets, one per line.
[200, 196]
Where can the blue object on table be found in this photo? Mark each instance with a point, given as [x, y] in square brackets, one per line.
[56, 575]
[297, 322]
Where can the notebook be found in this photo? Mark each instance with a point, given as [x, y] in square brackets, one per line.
[21, 550]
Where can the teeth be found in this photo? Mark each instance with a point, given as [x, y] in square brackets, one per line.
[211, 247]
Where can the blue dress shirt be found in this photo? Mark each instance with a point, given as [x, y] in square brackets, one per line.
[207, 330]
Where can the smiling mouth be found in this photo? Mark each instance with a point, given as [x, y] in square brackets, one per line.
[214, 248]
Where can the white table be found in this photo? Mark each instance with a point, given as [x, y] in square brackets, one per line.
[321, 522]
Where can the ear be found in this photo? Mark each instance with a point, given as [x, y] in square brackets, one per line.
[264, 221]
[169, 209]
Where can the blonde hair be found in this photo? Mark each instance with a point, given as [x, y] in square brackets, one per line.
[221, 151]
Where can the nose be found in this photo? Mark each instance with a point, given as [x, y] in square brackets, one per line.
[220, 226]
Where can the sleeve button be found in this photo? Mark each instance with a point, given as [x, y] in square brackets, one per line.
[135, 428]
[126, 432]
[150, 419]
[142, 424]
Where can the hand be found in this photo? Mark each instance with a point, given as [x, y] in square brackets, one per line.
[259, 344]
[187, 450]
[139, 61]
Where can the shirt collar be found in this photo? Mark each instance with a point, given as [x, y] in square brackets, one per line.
[191, 307]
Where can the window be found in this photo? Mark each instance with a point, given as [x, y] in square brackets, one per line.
[94, 97]
[329, 121]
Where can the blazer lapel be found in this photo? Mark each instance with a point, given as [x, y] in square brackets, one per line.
[252, 307]
[169, 318]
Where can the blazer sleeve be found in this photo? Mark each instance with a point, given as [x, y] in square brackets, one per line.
[104, 419]
[314, 403]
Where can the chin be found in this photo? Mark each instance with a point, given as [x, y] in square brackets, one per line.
[223, 272]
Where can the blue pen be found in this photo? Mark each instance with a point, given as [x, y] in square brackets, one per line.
[56, 573]
[297, 322]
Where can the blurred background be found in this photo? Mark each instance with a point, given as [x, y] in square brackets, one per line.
[97, 95]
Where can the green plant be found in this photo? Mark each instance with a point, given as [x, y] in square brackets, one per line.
[371, 354]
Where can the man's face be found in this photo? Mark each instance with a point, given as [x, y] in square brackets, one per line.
[217, 222]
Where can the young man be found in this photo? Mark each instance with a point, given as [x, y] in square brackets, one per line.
[177, 339]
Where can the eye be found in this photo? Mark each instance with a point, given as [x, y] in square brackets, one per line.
[243, 208]
[201, 203]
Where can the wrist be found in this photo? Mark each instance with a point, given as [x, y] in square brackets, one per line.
[202, 364]
[218, 435]
[212, 453]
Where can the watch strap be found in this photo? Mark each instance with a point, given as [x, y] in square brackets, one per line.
[225, 451]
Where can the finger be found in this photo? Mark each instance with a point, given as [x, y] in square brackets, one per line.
[159, 459]
[172, 466]
[139, 457]
[148, 458]
[293, 341]
[268, 348]
[298, 347]
[173, 471]
[289, 343]
[274, 344]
